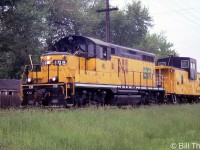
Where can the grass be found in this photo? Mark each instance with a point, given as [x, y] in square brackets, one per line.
[152, 128]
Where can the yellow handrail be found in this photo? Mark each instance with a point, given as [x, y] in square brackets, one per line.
[22, 76]
[66, 80]
[31, 62]
[21, 95]
[72, 80]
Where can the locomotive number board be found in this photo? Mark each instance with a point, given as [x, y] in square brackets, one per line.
[59, 62]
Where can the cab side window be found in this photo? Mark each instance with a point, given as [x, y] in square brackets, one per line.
[103, 52]
[91, 49]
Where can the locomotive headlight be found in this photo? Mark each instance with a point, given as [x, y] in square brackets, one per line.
[48, 57]
[64, 56]
[48, 62]
[55, 79]
[29, 80]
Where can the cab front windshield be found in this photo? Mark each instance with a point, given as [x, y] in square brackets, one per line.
[70, 46]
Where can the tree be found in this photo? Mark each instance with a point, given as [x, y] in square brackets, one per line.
[128, 26]
[133, 27]
[30, 26]
[68, 17]
[157, 44]
[79, 17]
[23, 28]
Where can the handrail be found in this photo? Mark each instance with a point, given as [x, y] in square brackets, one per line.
[66, 80]
[30, 57]
[26, 66]
[21, 95]
[22, 76]
[72, 80]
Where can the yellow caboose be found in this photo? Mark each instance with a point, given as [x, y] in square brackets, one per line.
[81, 70]
[180, 78]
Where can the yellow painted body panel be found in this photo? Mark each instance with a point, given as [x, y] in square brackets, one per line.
[176, 81]
[117, 71]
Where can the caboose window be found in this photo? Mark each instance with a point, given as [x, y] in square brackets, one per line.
[193, 65]
[184, 64]
[161, 63]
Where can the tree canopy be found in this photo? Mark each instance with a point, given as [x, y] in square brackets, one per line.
[32, 26]
[157, 44]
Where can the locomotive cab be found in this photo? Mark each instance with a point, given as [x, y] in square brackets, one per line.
[52, 82]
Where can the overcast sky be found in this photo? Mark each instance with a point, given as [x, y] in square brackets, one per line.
[179, 19]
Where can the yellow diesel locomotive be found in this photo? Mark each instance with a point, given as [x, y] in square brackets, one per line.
[82, 71]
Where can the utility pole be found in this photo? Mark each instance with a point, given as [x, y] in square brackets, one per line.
[107, 10]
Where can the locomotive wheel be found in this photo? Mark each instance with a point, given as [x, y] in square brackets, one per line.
[79, 100]
[150, 100]
[197, 100]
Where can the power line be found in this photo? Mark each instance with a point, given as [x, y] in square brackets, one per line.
[172, 5]
[183, 15]
[176, 11]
